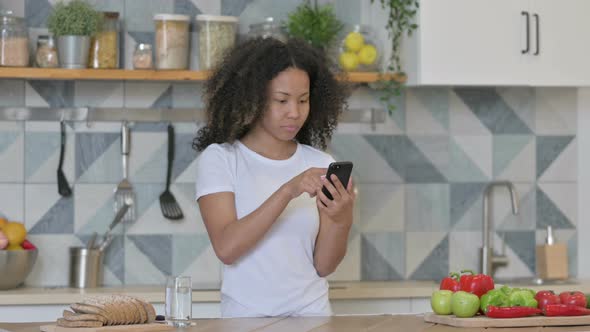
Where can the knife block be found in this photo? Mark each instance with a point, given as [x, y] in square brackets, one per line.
[552, 261]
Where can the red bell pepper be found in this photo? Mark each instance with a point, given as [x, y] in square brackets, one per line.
[451, 282]
[565, 310]
[28, 245]
[575, 298]
[546, 297]
[511, 312]
[477, 284]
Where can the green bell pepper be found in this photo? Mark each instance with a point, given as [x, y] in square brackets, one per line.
[495, 297]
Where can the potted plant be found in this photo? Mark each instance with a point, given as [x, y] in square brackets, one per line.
[73, 24]
[400, 21]
[318, 25]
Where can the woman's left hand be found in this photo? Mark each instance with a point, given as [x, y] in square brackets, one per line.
[340, 208]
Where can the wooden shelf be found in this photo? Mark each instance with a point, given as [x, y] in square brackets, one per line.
[145, 75]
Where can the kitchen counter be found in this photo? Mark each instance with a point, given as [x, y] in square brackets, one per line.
[406, 323]
[353, 290]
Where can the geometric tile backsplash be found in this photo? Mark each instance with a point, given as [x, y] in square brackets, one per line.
[420, 176]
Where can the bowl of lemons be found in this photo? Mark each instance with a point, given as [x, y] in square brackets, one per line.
[359, 50]
[17, 254]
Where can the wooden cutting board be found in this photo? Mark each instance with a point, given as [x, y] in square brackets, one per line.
[155, 327]
[482, 321]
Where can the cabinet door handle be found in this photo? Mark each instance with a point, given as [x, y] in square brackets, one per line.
[538, 33]
[526, 15]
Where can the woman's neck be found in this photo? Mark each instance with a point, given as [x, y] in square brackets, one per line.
[269, 146]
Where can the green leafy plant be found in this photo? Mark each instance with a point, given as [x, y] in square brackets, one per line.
[316, 24]
[76, 18]
[400, 21]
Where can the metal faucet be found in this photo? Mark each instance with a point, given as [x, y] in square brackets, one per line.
[488, 259]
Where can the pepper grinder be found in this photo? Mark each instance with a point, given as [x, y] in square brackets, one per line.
[552, 260]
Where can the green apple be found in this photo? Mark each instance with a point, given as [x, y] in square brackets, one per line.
[464, 304]
[440, 301]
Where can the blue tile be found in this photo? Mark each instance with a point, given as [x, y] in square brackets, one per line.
[392, 149]
[157, 248]
[90, 147]
[436, 265]
[492, 111]
[39, 147]
[7, 138]
[59, 219]
[55, 93]
[184, 154]
[427, 207]
[436, 101]
[12, 93]
[36, 12]
[462, 168]
[548, 150]
[139, 14]
[115, 257]
[506, 148]
[164, 100]
[234, 7]
[418, 168]
[382, 256]
[523, 245]
[186, 248]
[147, 194]
[463, 196]
[548, 214]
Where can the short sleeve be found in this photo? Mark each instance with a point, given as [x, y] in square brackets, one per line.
[213, 171]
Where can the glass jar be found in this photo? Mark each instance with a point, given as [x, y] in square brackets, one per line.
[359, 50]
[14, 41]
[104, 46]
[142, 56]
[217, 34]
[46, 55]
[172, 41]
[268, 28]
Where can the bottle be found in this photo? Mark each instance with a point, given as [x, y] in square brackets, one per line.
[46, 54]
[552, 260]
[142, 56]
[14, 40]
[104, 47]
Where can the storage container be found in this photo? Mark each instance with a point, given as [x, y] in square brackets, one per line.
[217, 34]
[172, 41]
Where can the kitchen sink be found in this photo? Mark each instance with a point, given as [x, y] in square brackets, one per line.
[533, 281]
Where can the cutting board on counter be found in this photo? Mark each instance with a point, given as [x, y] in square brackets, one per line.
[155, 327]
[482, 321]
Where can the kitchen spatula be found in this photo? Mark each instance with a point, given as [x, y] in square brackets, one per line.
[63, 188]
[124, 191]
[168, 204]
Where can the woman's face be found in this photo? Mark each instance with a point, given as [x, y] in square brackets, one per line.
[288, 104]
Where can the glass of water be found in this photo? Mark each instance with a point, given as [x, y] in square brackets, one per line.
[179, 301]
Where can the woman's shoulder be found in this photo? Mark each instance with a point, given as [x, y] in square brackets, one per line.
[316, 155]
[217, 151]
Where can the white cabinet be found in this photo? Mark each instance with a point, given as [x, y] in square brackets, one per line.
[499, 42]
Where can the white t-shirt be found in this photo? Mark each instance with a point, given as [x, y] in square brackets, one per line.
[277, 277]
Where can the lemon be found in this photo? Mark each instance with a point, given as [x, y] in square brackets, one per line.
[14, 247]
[15, 233]
[354, 41]
[3, 222]
[367, 55]
[349, 61]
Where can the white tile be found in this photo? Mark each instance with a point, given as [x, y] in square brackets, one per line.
[479, 149]
[12, 198]
[462, 119]
[564, 195]
[556, 111]
[418, 246]
[39, 199]
[138, 268]
[206, 268]
[143, 95]
[52, 265]
[464, 250]
[522, 167]
[12, 160]
[381, 207]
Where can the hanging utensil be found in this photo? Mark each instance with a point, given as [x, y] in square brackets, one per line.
[63, 188]
[124, 191]
[108, 237]
[168, 205]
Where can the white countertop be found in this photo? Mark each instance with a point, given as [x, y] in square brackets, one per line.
[210, 293]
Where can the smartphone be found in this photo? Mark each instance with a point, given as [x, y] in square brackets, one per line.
[342, 169]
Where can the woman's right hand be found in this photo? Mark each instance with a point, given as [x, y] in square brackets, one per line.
[310, 181]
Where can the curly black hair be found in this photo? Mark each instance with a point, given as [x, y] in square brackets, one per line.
[236, 93]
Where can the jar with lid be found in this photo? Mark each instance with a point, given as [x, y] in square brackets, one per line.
[142, 56]
[46, 55]
[216, 35]
[14, 41]
[104, 46]
[172, 41]
[359, 49]
[269, 28]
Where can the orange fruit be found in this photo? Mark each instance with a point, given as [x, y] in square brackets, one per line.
[3, 222]
[14, 247]
[15, 232]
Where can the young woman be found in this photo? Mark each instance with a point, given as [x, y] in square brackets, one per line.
[270, 105]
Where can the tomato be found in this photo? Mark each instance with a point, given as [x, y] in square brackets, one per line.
[575, 298]
[546, 297]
